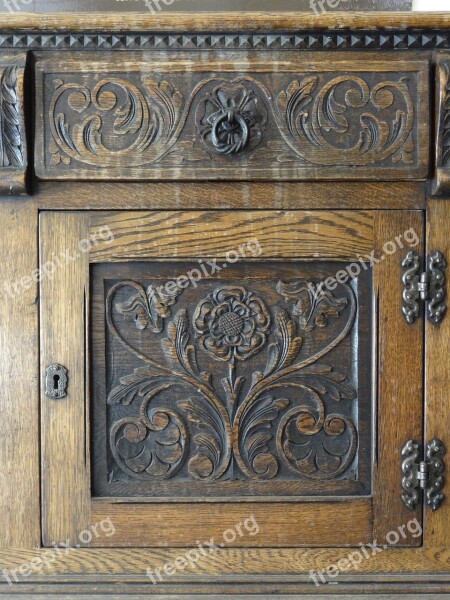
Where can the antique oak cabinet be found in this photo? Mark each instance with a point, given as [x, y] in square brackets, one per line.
[224, 344]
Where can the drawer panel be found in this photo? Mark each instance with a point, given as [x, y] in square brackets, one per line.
[231, 115]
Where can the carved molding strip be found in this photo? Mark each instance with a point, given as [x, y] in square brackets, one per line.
[308, 40]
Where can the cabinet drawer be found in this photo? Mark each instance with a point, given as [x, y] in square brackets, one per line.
[229, 115]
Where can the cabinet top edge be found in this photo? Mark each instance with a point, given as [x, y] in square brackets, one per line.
[249, 22]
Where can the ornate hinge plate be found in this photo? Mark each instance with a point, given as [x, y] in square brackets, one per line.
[56, 381]
[424, 286]
[426, 475]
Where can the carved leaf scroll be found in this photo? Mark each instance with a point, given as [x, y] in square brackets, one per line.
[346, 121]
[118, 122]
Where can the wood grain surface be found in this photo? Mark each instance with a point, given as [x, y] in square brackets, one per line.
[437, 374]
[64, 425]
[255, 21]
[19, 379]
[157, 235]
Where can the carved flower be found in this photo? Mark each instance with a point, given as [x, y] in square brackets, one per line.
[232, 323]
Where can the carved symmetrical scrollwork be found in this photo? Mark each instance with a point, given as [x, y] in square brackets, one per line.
[11, 143]
[276, 421]
[350, 120]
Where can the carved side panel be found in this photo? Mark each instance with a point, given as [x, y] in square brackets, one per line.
[256, 383]
[441, 184]
[272, 120]
[12, 131]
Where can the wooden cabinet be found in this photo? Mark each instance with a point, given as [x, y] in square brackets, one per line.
[225, 306]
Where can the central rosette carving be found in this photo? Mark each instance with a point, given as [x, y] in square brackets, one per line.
[232, 323]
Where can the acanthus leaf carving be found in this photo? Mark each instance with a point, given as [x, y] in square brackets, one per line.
[11, 143]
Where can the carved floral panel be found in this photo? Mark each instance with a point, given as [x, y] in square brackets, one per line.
[190, 123]
[255, 383]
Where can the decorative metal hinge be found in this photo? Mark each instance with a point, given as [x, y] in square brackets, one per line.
[426, 475]
[56, 381]
[427, 287]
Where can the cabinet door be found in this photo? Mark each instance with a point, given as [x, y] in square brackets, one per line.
[227, 365]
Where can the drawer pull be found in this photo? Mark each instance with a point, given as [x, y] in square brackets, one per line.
[230, 132]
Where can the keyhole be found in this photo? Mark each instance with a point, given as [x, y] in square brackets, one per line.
[56, 379]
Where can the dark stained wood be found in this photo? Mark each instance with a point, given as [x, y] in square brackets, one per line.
[267, 116]
[233, 571]
[282, 236]
[169, 234]
[441, 183]
[227, 437]
[139, 236]
[280, 567]
[280, 525]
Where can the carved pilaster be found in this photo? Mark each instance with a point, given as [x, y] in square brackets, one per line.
[13, 159]
[441, 183]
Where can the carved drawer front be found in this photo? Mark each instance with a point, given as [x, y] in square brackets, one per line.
[223, 364]
[231, 116]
